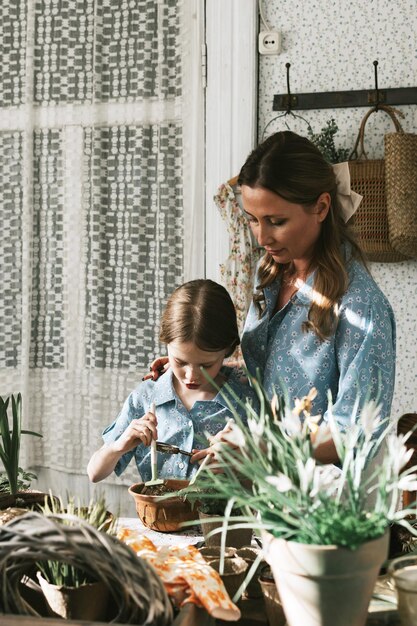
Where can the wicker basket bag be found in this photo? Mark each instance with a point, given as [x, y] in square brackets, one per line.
[401, 188]
[370, 222]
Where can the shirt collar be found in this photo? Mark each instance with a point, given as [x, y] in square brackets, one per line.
[164, 389]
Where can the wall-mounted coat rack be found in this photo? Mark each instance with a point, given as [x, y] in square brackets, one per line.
[341, 99]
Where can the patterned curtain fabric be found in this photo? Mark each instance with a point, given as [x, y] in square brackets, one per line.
[91, 179]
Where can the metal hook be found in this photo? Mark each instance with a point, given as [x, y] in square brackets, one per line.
[288, 65]
[376, 86]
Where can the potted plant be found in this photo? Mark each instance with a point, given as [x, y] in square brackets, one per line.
[71, 592]
[14, 481]
[161, 507]
[211, 512]
[325, 529]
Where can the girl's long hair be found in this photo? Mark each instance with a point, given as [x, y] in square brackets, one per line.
[293, 168]
[201, 312]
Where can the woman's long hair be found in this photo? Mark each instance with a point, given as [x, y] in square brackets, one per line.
[293, 168]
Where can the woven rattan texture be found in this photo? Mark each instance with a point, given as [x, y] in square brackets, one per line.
[401, 187]
[136, 589]
[370, 223]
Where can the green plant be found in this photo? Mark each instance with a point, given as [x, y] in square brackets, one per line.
[270, 472]
[97, 515]
[324, 140]
[10, 444]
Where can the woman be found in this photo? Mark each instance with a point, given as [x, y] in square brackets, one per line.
[317, 319]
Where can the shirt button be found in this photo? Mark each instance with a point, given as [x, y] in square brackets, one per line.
[181, 465]
[190, 423]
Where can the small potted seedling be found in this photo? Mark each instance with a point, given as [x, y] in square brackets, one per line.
[69, 592]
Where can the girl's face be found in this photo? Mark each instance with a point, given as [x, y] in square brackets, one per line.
[286, 230]
[186, 361]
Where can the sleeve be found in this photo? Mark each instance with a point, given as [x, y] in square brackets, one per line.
[365, 354]
[133, 408]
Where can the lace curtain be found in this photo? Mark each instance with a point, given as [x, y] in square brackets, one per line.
[95, 100]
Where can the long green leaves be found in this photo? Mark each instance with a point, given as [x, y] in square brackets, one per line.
[10, 439]
[270, 473]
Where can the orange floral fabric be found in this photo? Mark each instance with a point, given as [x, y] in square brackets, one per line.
[187, 577]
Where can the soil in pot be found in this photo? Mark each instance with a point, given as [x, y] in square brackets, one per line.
[160, 513]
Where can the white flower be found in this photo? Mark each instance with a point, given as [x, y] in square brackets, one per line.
[256, 428]
[398, 452]
[292, 424]
[281, 482]
[408, 483]
[370, 417]
[231, 434]
[306, 473]
[323, 435]
[325, 479]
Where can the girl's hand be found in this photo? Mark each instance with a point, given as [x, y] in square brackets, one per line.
[158, 367]
[141, 430]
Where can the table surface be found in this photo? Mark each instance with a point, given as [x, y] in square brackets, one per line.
[381, 612]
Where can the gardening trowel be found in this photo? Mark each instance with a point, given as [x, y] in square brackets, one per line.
[154, 465]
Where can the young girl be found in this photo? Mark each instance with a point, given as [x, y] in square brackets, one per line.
[200, 329]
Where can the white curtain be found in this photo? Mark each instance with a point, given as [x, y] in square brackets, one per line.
[101, 203]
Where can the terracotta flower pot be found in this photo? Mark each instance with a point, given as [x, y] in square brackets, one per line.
[87, 602]
[29, 499]
[236, 538]
[163, 514]
[325, 585]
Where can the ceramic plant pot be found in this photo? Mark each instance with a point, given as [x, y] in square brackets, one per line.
[325, 585]
[403, 573]
[159, 513]
[87, 602]
[236, 538]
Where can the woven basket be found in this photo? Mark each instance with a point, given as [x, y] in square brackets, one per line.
[137, 593]
[401, 187]
[370, 222]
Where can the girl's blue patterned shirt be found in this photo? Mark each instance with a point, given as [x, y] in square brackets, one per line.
[176, 425]
[356, 363]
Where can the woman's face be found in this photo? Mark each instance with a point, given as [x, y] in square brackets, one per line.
[286, 230]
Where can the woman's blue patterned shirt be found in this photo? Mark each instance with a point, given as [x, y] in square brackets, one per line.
[176, 425]
[357, 361]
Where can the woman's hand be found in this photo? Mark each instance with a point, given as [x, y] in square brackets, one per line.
[141, 430]
[158, 367]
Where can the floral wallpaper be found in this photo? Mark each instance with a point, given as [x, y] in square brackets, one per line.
[331, 47]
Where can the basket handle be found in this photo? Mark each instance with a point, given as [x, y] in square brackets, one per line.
[358, 151]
